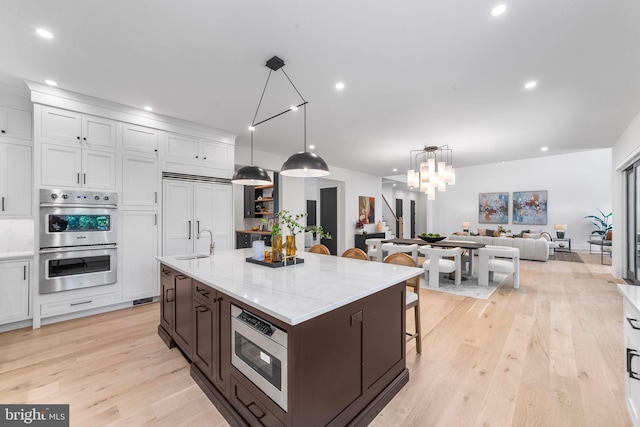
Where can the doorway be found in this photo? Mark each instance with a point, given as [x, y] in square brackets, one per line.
[413, 219]
[400, 220]
[633, 224]
[329, 217]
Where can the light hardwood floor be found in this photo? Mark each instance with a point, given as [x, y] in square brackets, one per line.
[547, 354]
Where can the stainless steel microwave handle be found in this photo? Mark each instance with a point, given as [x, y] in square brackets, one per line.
[77, 205]
[77, 248]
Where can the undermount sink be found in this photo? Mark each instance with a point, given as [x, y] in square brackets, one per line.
[192, 256]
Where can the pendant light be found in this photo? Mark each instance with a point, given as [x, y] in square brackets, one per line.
[305, 164]
[251, 175]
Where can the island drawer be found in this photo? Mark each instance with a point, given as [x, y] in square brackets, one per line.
[203, 293]
[250, 408]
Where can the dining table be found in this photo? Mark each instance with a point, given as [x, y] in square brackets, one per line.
[446, 243]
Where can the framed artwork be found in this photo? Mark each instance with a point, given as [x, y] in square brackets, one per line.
[367, 209]
[493, 208]
[530, 207]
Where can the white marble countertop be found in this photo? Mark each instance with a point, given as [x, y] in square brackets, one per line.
[295, 293]
[6, 256]
[632, 293]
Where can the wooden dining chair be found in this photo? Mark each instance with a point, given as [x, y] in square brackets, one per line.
[319, 249]
[412, 297]
[355, 253]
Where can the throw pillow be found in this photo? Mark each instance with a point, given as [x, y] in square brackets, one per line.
[530, 235]
[609, 235]
[490, 232]
[518, 235]
[496, 233]
[482, 231]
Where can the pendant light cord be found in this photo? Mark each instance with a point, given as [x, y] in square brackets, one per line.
[261, 97]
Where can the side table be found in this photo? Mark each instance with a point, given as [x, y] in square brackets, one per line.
[566, 247]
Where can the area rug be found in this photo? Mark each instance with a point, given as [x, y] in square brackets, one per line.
[468, 288]
[566, 256]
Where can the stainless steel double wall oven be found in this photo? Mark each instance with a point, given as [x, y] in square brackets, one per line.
[78, 239]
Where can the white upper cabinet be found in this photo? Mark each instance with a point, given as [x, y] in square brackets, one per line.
[139, 138]
[74, 167]
[71, 128]
[15, 180]
[15, 123]
[212, 158]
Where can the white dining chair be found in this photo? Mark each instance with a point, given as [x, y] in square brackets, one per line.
[498, 259]
[391, 248]
[374, 249]
[438, 261]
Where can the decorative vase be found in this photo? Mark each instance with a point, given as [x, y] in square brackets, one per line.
[379, 226]
[290, 246]
[276, 248]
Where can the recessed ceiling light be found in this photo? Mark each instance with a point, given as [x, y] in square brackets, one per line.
[51, 83]
[293, 108]
[339, 85]
[531, 84]
[544, 148]
[148, 108]
[311, 147]
[251, 128]
[498, 10]
[395, 169]
[44, 33]
[394, 185]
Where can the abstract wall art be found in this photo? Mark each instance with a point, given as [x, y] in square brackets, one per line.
[530, 207]
[493, 208]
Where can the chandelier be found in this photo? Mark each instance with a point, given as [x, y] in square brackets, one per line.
[431, 169]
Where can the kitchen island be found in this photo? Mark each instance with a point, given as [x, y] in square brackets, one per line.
[340, 323]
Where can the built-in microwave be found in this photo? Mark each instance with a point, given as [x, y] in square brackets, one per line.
[259, 351]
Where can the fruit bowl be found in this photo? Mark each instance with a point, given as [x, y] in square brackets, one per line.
[432, 239]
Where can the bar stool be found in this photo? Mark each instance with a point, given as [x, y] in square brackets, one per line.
[412, 250]
[355, 253]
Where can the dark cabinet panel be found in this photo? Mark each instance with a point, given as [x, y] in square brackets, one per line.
[245, 240]
[183, 316]
[250, 408]
[203, 338]
[261, 201]
[167, 276]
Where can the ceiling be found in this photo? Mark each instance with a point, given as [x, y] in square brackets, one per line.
[416, 72]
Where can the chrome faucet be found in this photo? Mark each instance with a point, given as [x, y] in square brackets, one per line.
[212, 244]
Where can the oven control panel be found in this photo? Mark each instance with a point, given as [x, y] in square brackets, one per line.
[76, 197]
[256, 323]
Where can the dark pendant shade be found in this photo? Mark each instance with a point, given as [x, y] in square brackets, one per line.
[251, 175]
[305, 164]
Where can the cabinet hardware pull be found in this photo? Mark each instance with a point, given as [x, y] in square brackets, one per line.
[196, 157]
[24, 272]
[633, 325]
[631, 353]
[78, 177]
[167, 294]
[81, 302]
[166, 271]
[155, 150]
[189, 230]
[84, 178]
[155, 197]
[198, 225]
[78, 138]
[3, 131]
[3, 204]
[84, 139]
[204, 158]
[155, 219]
[201, 309]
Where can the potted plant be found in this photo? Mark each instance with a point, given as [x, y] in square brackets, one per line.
[360, 226]
[291, 222]
[319, 232]
[276, 241]
[601, 223]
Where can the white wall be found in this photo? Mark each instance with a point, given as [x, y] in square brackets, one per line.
[576, 185]
[625, 152]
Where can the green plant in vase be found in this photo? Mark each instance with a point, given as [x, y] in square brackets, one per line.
[319, 232]
[276, 241]
[291, 222]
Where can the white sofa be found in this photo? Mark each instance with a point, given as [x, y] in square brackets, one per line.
[532, 249]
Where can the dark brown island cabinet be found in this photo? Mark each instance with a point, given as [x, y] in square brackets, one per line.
[343, 366]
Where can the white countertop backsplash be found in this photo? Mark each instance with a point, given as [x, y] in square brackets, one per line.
[16, 237]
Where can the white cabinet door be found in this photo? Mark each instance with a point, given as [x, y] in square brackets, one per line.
[178, 223]
[15, 123]
[75, 129]
[98, 132]
[139, 181]
[98, 169]
[139, 250]
[15, 179]
[182, 146]
[61, 125]
[213, 212]
[219, 156]
[61, 166]
[14, 291]
[139, 138]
